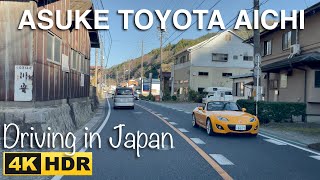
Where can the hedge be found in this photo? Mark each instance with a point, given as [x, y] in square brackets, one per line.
[274, 111]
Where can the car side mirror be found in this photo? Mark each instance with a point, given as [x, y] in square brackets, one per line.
[200, 108]
[244, 109]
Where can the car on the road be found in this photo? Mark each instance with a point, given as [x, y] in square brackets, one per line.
[221, 117]
[136, 96]
[124, 97]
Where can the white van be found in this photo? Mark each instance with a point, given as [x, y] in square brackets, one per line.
[218, 94]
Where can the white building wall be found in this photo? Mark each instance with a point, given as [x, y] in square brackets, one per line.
[202, 55]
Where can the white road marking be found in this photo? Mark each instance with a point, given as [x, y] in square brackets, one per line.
[173, 123]
[159, 114]
[197, 141]
[298, 147]
[137, 112]
[180, 110]
[273, 141]
[183, 130]
[187, 112]
[221, 159]
[98, 131]
[316, 157]
[165, 118]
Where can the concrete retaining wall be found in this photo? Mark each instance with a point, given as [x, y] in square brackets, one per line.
[62, 118]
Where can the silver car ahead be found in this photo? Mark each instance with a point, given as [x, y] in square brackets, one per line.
[124, 97]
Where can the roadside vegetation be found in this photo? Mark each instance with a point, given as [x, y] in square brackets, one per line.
[275, 111]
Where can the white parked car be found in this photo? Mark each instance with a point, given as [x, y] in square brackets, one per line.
[218, 94]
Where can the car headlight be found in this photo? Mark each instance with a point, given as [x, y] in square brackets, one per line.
[222, 118]
[252, 119]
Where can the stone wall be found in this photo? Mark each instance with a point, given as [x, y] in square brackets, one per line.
[61, 118]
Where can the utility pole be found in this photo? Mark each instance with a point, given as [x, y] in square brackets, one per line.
[172, 79]
[96, 69]
[117, 77]
[129, 73]
[257, 55]
[102, 78]
[142, 54]
[161, 77]
[124, 73]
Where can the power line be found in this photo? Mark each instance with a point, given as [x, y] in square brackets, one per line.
[194, 22]
[190, 26]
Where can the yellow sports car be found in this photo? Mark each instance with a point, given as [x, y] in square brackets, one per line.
[224, 117]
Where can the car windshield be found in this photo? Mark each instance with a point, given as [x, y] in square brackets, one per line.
[222, 106]
[124, 91]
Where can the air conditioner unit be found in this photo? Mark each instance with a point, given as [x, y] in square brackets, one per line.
[295, 49]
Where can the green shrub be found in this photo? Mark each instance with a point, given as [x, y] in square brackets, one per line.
[199, 98]
[274, 111]
[166, 96]
[151, 97]
[195, 96]
[174, 98]
[192, 95]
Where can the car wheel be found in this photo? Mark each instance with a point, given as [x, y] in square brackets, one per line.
[132, 107]
[209, 128]
[114, 107]
[194, 121]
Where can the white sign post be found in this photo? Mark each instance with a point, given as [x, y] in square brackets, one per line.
[23, 83]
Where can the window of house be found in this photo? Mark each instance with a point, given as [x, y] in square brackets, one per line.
[226, 74]
[267, 48]
[283, 80]
[74, 59]
[57, 50]
[82, 64]
[238, 89]
[248, 58]
[235, 57]
[288, 39]
[219, 57]
[317, 79]
[79, 62]
[53, 48]
[273, 84]
[203, 74]
[50, 47]
[183, 59]
[200, 90]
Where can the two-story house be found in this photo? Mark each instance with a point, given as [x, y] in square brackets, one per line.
[211, 63]
[291, 64]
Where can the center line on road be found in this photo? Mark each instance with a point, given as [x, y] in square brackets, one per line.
[275, 142]
[316, 157]
[173, 123]
[197, 141]
[221, 159]
[203, 154]
[183, 130]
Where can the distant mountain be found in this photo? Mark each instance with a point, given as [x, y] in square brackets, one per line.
[152, 60]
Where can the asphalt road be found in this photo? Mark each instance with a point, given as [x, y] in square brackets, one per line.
[241, 157]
